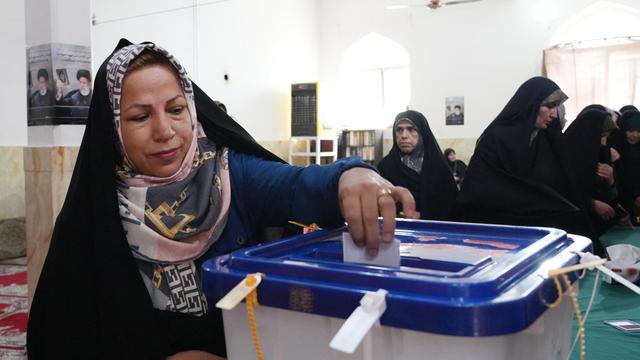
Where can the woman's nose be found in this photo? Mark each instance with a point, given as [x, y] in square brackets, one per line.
[162, 129]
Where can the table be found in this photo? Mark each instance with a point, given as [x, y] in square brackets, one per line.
[612, 302]
[621, 235]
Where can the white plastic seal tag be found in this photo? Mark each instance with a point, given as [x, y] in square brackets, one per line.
[589, 257]
[357, 326]
[239, 292]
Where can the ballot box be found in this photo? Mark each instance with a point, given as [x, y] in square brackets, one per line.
[461, 291]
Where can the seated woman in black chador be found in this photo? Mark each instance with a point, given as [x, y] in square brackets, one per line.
[416, 163]
[627, 142]
[519, 173]
[627, 108]
[165, 180]
[586, 140]
[458, 167]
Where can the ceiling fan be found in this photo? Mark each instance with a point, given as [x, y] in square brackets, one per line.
[432, 4]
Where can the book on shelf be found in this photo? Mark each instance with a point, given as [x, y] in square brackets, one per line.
[366, 144]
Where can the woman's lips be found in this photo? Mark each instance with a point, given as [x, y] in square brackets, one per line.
[166, 155]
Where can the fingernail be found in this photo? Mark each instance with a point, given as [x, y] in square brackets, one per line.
[372, 252]
[387, 237]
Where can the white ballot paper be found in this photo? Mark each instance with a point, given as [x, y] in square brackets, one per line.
[388, 254]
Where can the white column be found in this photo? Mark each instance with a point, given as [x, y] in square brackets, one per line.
[51, 151]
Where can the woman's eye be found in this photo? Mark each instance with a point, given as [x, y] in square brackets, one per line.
[140, 118]
[177, 110]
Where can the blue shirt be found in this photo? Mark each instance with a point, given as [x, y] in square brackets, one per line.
[267, 193]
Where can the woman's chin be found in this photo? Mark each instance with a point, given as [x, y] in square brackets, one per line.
[162, 170]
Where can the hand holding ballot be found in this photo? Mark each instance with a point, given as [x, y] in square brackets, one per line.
[363, 196]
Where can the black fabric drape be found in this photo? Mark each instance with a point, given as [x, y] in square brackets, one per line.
[513, 180]
[90, 302]
[628, 166]
[434, 189]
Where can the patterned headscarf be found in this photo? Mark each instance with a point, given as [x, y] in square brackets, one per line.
[414, 159]
[170, 221]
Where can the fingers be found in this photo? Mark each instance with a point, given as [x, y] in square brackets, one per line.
[609, 213]
[404, 197]
[361, 214]
[615, 155]
[604, 169]
[370, 223]
[608, 216]
[353, 216]
[387, 206]
[363, 196]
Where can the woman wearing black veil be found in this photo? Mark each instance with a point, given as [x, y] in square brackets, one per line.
[415, 162]
[458, 167]
[627, 142]
[590, 156]
[627, 108]
[150, 199]
[519, 173]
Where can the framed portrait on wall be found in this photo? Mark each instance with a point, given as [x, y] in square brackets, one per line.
[62, 76]
[454, 110]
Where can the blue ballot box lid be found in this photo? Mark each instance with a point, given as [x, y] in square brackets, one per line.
[454, 279]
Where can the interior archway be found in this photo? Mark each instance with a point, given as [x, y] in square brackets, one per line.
[374, 82]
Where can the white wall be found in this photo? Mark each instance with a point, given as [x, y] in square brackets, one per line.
[482, 51]
[13, 92]
[263, 46]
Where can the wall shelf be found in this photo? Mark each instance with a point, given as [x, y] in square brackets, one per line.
[317, 150]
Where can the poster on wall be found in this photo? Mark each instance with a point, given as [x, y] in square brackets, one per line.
[41, 97]
[454, 110]
[60, 81]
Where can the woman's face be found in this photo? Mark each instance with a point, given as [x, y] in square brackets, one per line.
[633, 136]
[155, 121]
[406, 136]
[546, 114]
[451, 157]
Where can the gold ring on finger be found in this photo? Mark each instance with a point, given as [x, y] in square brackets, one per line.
[383, 192]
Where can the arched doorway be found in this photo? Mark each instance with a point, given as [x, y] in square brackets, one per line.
[374, 82]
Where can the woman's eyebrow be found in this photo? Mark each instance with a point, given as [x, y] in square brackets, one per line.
[148, 106]
[175, 98]
[137, 105]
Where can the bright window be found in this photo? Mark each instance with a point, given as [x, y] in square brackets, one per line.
[595, 57]
[374, 83]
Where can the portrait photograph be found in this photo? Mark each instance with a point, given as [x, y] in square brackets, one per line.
[454, 110]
